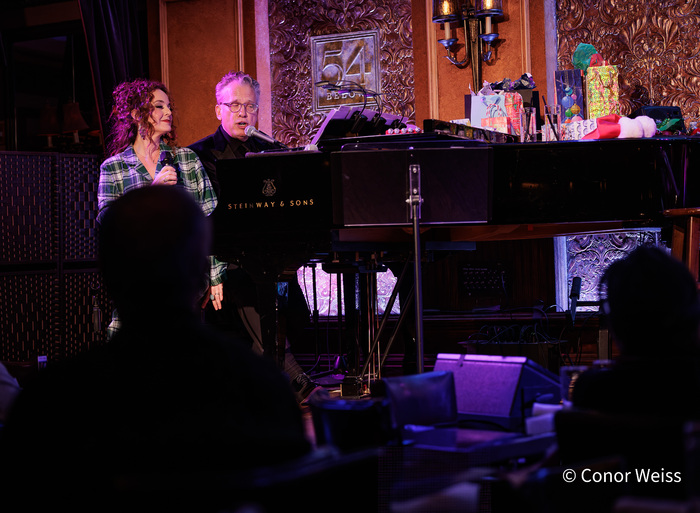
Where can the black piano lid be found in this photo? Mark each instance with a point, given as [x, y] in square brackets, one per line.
[399, 141]
[588, 181]
[556, 182]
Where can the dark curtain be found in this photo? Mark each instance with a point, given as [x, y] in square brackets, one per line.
[117, 45]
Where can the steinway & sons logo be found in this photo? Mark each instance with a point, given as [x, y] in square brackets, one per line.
[269, 191]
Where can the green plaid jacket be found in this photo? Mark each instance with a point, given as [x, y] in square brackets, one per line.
[124, 171]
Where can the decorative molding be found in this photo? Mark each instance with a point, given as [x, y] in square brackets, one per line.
[431, 39]
[262, 64]
[654, 44]
[550, 45]
[163, 18]
[561, 276]
[525, 35]
[293, 22]
[239, 34]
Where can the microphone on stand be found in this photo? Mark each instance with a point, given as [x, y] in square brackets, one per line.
[574, 295]
[251, 131]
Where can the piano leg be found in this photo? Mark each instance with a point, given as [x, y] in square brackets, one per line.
[406, 305]
[368, 326]
[353, 321]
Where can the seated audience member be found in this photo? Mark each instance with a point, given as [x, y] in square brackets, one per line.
[631, 415]
[637, 410]
[653, 313]
[167, 396]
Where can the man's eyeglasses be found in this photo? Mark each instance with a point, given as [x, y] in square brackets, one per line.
[234, 107]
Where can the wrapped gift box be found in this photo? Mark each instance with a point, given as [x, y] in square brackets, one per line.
[489, 106]
[575, 130]
[602, 91]
[501, 124]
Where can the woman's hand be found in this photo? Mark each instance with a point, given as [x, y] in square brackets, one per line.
[166, 176]
[216, 296]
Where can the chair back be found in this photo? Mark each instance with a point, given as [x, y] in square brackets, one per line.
[350, 424]
[426, 399]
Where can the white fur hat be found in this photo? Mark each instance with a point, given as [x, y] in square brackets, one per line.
[630, 128]
[648, 125]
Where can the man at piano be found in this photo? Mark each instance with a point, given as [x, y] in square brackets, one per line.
[237, 104]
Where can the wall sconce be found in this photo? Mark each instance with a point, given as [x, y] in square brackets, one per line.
[487, 9]
[450, 11]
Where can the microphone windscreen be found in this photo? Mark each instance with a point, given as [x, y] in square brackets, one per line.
[166, 158]
[575, 287]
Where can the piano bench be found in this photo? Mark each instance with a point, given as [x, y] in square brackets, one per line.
[685, 240]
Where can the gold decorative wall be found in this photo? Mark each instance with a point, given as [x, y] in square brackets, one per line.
[655, 44]
[294, 22]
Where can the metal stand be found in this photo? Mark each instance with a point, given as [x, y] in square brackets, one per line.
[354, 385]
[415, 200]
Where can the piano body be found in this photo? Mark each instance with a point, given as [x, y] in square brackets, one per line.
[278, 211]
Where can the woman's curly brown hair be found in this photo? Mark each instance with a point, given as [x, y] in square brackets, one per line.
[129, 96]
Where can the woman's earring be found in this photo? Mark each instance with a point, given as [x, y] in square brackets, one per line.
[142, 132]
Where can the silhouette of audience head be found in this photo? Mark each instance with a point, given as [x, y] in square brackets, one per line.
[651, 301]
[153, 248]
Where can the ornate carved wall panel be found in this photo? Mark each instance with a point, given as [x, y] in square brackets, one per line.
[656, 46]
[588, 256]
[294, 22]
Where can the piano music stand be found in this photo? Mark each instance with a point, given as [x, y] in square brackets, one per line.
[344, 122]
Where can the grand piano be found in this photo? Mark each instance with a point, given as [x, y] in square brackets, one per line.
[280, 210]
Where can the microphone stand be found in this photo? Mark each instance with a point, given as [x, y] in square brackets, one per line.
[415, 200]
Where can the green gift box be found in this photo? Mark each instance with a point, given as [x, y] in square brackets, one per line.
[602, 91]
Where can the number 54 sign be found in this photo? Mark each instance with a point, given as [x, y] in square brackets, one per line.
[344, 58]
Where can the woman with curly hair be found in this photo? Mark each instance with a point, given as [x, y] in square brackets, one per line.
[142, 130]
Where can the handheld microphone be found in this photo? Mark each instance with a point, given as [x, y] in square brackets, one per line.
[251, 131]
[166, 159]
